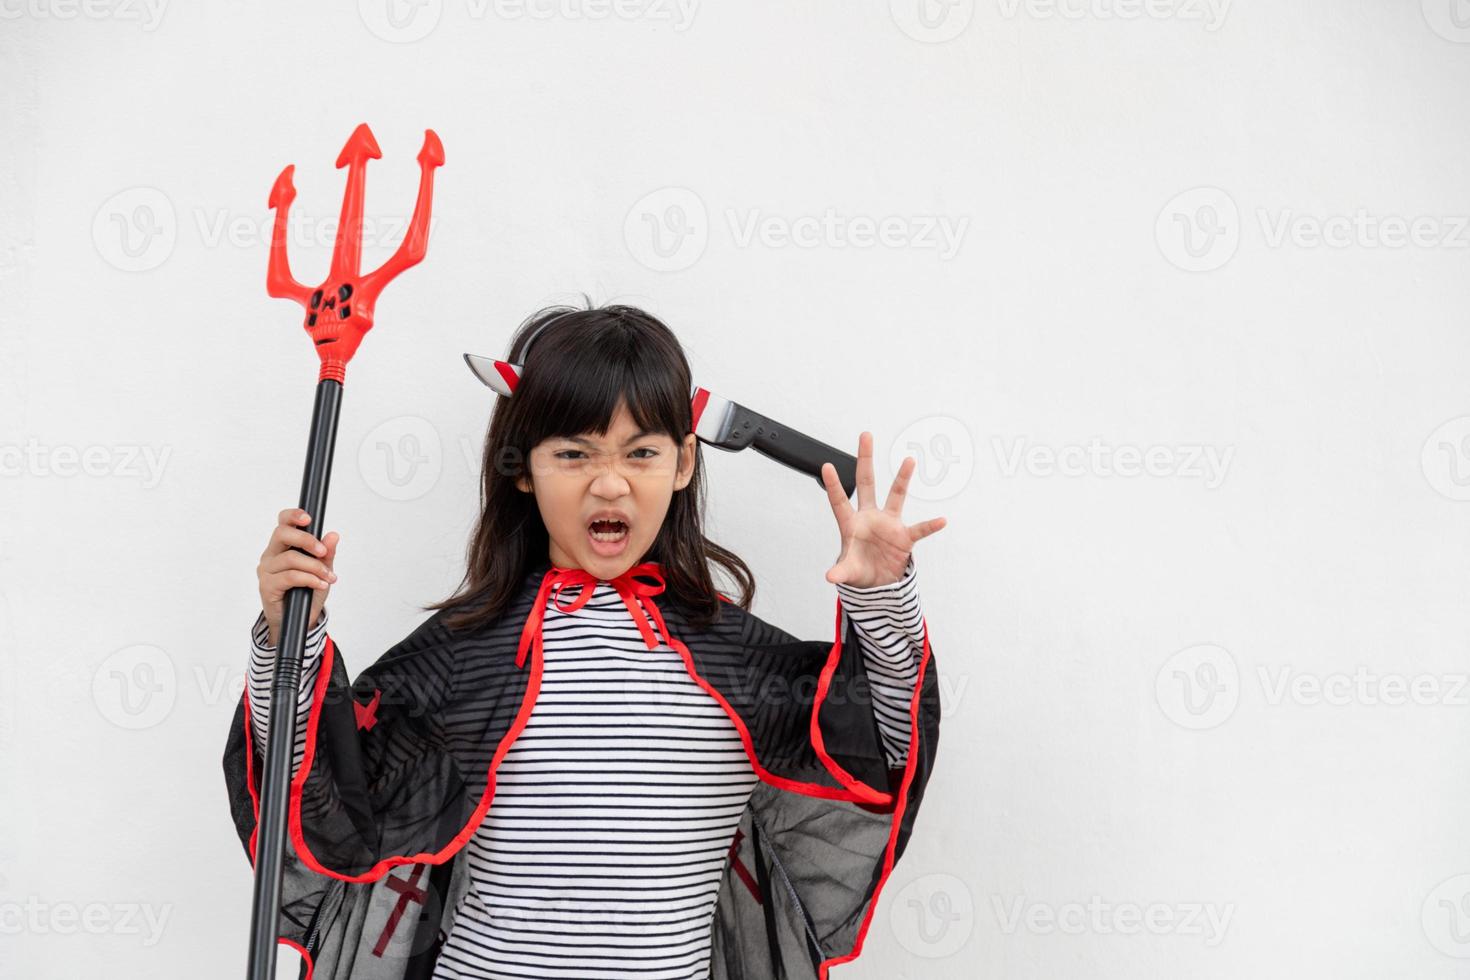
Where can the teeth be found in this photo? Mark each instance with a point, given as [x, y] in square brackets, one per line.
[617, 535]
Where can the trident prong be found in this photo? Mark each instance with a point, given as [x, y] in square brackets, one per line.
[278, 278]
[347, 255]
[416, 240]
[340, 311]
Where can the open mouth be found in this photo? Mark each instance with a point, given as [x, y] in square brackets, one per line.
[608, 530]
[608, 537]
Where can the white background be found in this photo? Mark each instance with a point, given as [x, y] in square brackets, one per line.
[1226, 699]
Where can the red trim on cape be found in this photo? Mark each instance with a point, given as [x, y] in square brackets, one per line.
[528, 701]
[310, 965]
[899, 806]
[857, 791]
[780, 782]
[255, 804]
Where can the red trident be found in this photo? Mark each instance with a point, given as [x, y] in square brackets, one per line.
[338, 313]
[340, 310]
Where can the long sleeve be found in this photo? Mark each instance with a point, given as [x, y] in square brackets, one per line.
[263, 665]
[890, 627]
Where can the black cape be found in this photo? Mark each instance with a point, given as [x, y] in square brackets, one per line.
[399, 771]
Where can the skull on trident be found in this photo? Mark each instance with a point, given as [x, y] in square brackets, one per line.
[340, 311]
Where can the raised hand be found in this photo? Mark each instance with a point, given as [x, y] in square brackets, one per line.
[875, 541]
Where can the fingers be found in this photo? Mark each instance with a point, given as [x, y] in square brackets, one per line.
[837, 574]
[330, 556]
[898, 493]
[289, 534]
[283, 582]
[288, 562]
[925, 528]
[837, 497]
[865, 491]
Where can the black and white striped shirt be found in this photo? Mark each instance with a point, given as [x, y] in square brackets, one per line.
[602, 852]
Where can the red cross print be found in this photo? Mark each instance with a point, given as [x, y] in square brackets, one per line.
[408, 891]
[741, 869]
[367, 714]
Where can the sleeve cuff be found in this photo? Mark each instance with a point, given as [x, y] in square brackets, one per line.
[893, 595]
[260, 633]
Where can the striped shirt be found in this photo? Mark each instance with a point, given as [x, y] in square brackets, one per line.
[602, 852]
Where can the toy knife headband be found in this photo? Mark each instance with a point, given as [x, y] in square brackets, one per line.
[721, 423]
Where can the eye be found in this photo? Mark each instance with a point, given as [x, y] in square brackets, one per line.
[646, 449]
[563, 453]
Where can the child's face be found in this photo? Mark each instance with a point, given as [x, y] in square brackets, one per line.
[576, 480]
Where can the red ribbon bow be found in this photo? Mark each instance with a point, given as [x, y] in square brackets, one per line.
[627, 585]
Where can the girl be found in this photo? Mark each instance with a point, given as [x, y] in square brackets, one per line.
[601, 827]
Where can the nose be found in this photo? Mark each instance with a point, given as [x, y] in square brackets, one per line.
[609, 483]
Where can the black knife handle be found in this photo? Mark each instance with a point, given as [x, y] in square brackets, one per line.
[791, 447]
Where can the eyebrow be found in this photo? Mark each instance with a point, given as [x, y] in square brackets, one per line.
[584, 441]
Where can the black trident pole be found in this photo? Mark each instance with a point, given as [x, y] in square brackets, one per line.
[338, 314]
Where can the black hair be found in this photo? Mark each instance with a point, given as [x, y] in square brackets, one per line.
[583, 365]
